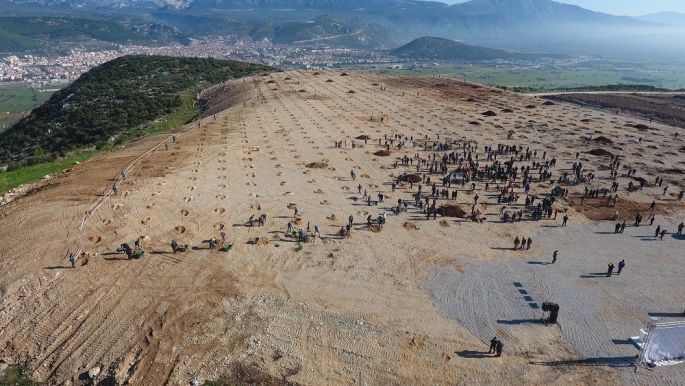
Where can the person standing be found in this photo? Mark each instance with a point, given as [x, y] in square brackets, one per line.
[621, 265]
[656, 232]
[661, 235]
[500, 346]
[563, 224]
[72, 260]
[530, 241]
[554, 256]
[350, 220]
[516, 243]
[680, 228]
[493, 345]
[651, 220]
[610, 269]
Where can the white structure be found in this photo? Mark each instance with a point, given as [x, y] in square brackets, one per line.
[662, 344]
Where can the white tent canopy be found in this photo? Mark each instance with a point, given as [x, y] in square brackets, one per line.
[664, 344]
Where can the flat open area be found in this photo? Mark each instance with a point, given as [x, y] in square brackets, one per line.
[414, 302]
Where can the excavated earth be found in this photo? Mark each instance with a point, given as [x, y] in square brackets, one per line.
[399, 307]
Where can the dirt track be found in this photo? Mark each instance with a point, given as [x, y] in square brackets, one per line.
[374, 303]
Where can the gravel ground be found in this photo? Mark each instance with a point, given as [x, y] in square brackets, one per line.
[597, 314]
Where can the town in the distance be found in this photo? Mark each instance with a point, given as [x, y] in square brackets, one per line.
[42, 71]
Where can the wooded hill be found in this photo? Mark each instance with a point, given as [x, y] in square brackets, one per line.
[110, 101]
[434, 48]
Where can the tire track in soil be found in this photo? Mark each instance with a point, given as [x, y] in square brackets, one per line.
[71, 343]
[169, 328]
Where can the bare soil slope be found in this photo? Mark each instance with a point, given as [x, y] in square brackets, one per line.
[402, 305]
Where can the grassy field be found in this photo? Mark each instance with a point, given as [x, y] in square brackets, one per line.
[15, 102]
[584, 74]
[29, 174]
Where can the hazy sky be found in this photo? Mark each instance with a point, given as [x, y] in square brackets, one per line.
[619, 7]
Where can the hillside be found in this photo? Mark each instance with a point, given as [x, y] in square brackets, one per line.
[110, 101]
[329, 30]
[432, 48]
[23, 33]
[522, 25]
[405, 301]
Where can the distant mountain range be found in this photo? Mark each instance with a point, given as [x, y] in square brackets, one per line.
[673, 18]
[523, 25]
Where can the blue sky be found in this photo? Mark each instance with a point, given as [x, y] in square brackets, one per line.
[620, 7]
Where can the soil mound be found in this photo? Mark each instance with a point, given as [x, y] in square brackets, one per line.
[302, 90]
[382, 153]
[351, 92]
[470, 100]
[414, 178]
[363, 137]
[600, 153]
[376, 228]
[344, 74]
[451, 211]
[374, 84]
[642, 127]
[640, 179]
[317, 165]
[444, 223]
[287, 78]
[549, 103]
[328, 81]
[507, 111]
[603, 139]
[271, 81]
[474, 123]
[409, 226]
[530, 106]
[489, 113]
[317, 73]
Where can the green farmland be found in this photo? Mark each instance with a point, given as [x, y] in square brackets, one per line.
[591, 74]
[15, 102]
